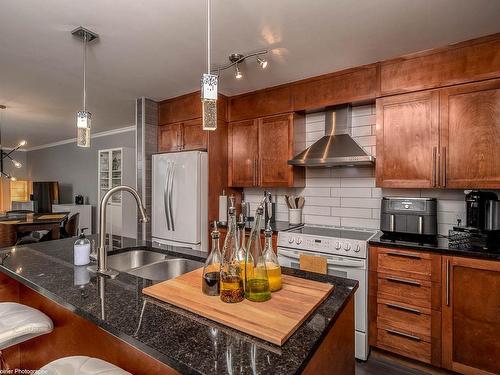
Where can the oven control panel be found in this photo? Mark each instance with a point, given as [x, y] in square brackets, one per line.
[339, 246]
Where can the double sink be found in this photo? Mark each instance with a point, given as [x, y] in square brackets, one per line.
[151, 265]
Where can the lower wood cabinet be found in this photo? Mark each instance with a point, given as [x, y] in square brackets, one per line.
[471, 315]
[441, 310]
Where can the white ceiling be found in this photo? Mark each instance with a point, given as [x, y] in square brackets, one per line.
[156, 48]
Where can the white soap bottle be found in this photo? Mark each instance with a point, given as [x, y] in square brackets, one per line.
[82, 250]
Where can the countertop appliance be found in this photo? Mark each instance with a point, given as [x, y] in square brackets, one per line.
[475, 208]
[346, 251]
[336, 148]
[412, 217]
[180, 194]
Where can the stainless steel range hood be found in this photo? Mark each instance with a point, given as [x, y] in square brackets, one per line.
[336, 148]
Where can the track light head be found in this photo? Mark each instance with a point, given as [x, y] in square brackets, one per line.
[237, 73]
[262, 62]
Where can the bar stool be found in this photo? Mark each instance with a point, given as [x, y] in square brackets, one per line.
[20, 323]
[81, 365]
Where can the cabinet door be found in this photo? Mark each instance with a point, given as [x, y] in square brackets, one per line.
[169, 137]
[470, 135]
[193, 135]
[243, 151]
[471, 307]
[275, 146]
[407, 140]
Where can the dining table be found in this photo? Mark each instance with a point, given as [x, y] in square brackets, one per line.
[23, 223]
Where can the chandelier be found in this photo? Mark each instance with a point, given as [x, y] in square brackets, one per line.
[7, 155]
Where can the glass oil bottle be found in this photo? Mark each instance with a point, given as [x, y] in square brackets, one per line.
[256, 283]
[272, 264]
[211, 270]
[231, 283]
[242, 251]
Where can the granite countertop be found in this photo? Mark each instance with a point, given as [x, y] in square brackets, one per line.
[184, 341]
[277, 226]
[441, 246]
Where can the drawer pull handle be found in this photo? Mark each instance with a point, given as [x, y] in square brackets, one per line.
[404, 255]
[403, 281]
[402, 334]
[404, 308]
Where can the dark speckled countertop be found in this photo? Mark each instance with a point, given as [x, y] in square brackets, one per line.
[184, 341]
[440, 245]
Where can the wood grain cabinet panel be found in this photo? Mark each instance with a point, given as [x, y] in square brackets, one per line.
[342, 87]
[470, 323]
[407, 140]
[470, 135]
[181, 108]
[193, 135]
[243, 153]
[460, 63]
[169, 137]
[275, 149]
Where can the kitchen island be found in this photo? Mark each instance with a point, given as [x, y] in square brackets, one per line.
[112, 319]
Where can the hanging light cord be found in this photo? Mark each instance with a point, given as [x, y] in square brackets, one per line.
[208, 37]
[85, 72]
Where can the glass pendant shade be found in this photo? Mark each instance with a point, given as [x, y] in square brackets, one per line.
[209, 101]
[83, 120]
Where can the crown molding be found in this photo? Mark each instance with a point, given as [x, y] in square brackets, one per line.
[73, 140]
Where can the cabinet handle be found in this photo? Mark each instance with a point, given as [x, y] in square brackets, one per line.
[255, 173]
[434, 166]
[391, 223]
[404, 308]
[443, 167]
[402, 281]
[260, 171]
[404, 255]
[402, 334]
[447, 282]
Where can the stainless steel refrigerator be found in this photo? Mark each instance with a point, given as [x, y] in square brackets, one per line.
[179, 201]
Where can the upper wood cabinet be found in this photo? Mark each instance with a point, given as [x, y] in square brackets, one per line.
[183, 136]
[336, 88]
[187, 107]
[470, 311]
[463, 62]
[447, 138]
[259, 150]
[470, 135]
[408, 140]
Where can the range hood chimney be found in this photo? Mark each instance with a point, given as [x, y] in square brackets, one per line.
[336, 148]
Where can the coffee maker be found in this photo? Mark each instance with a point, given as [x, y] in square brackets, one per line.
[482, 230]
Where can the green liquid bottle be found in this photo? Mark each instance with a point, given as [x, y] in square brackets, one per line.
[257, 282]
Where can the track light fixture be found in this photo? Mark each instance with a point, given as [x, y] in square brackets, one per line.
[237, 58]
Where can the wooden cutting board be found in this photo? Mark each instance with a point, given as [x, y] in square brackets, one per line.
[274, 320]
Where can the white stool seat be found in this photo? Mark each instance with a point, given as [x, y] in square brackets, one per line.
[81, 365]
[19, 323]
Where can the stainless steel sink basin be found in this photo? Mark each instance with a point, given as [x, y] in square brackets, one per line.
[166, 269]
[133, 259]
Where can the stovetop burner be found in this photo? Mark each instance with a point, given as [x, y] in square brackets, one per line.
[334, 232]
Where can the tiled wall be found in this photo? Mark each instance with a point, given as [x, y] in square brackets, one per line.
[348, 196]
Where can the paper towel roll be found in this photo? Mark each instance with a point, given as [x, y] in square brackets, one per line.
[223, 208]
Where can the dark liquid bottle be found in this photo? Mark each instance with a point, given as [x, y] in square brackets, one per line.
[210, 282]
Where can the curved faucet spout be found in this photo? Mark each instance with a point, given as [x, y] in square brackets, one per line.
[102, 260]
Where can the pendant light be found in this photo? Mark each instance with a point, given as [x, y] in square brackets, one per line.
[209, 88]
[7, 154]
[84, 117]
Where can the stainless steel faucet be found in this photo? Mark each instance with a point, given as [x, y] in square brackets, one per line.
[102, 259]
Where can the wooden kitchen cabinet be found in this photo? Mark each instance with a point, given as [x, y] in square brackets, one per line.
[259, 151]
[169, 137]
[470, 315]
[470, 135]
[408, 140]
[404, 305]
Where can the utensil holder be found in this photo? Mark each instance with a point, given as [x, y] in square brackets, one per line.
[295, 216]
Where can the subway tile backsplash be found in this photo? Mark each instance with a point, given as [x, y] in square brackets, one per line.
[348, 196]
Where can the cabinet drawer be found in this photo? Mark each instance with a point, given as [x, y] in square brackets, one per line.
[406, 290]
[400, 342]
[401, 316]
[396, 260]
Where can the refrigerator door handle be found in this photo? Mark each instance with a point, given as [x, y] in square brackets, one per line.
[170, 193]
[166, 196]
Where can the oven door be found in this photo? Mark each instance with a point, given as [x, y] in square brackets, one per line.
[347, 267]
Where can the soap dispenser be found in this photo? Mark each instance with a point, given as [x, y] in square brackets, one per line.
[81, 250]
